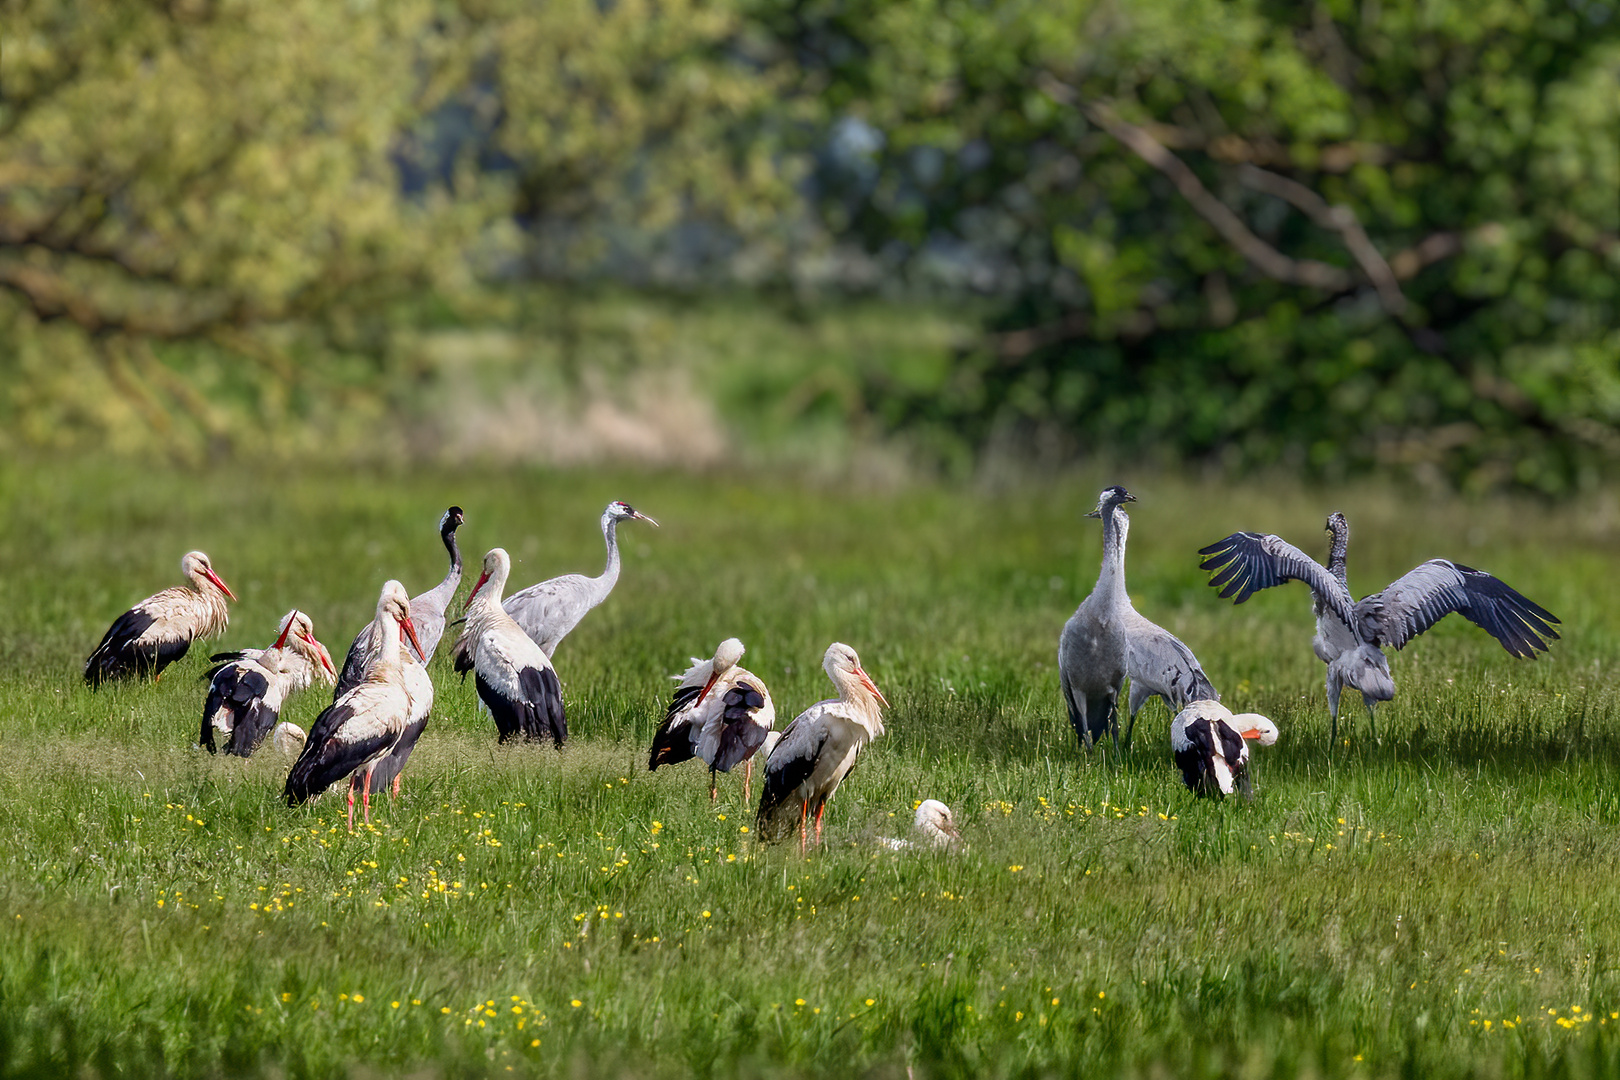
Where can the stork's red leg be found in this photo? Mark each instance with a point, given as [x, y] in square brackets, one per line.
[822, 809]
[365, 795]
[396, 785]
[804, 809]
[351, 808]
[714, 789]
[748, 779]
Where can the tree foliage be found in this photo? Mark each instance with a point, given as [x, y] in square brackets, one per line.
[1325, 235]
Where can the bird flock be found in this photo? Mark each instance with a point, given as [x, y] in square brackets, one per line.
[723, 715]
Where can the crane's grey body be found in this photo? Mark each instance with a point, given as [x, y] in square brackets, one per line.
[1107, 641]
[1351, 635]
[549, 610]
[427, 614]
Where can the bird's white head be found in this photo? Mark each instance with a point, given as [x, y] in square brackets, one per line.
[497, 567]
[1255, 728]
[195, 565]
[299, 629]
[623, 511]
[936, 823]
[395, 603]
[841, 664]
[725, 658]
[1110, 498]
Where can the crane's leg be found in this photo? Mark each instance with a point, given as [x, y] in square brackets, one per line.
[1333, 688]
[1372, 724]
[714, 786]
[351, 808]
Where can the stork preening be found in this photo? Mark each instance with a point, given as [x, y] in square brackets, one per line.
[427, 613]
[819, 749]
[1351, 635]
[934, 826]
[361, 727]
[1107, 641]
[547, 611]
[515, 679]
[720, 713]
[247, 689]
[1211, 747]
[160, 629]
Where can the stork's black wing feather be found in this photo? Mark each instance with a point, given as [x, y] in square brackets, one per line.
[790, 764]
[739, 738]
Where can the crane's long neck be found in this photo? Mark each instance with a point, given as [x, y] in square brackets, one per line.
[444, 590]
[1111, 578]
[1339, 551]
[610, 575]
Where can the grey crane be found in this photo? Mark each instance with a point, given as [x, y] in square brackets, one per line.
[1351, 635]
[547, 611]
[427, 613]
[1107, 640]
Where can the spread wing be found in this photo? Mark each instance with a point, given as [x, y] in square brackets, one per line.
[1429, 593]
[1246, 562]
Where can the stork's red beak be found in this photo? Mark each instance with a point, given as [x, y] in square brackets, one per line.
[706, 688]
[409, 627]
[208, 572]
[282, 640]
[481, 579]
[866, 681]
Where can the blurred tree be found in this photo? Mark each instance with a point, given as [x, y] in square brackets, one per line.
[1324, 235]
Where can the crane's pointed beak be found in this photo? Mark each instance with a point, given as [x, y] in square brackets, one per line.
[208, 572]
[639, 516]
[481, 579]
[409, 627]
[866, 681]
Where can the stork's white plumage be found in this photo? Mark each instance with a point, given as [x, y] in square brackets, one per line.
[720, 713]
[515, 679]
[419, 686]
[364, 724]
[1211, 747]
[247, 689]
[547, 611]
[819, 748]
[288, 738]
[934, 826]
[160, 629]
[427, 613]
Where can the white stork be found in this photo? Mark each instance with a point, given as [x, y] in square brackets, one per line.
[427, 613]
[549, 610]
[159, 630]
[514, 676]
[1351, 634]
[247, 689]
[720, 713]
[1211, 747]
[819, 748]
[363, 725]
[420, 688]
[288, 738]
[934, 825]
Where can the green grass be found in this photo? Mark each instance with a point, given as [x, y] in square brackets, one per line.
[1414, 906]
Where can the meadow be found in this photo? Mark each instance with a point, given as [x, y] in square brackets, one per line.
[1440, 901]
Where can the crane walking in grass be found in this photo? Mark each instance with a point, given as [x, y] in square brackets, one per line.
[1107, 641]
[361, 727]
[515, 680]
[720, 714]
[1351, 635]
[819, 749]
[160, 629]
[1211, 747]
[427, 613]
[247, 689]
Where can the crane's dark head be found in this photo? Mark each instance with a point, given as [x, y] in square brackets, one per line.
[623, 511]
[451, 521]
[1110, 498]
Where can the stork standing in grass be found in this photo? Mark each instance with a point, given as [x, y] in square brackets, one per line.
[427, 613]
[720, 713]
[1211, 747]
[1351, 635]
[247, 689]
[160, 629]
[549, 610]
[362, 726]
[419, 687]
[515, 679]
[819, 749]
[1107, 641]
